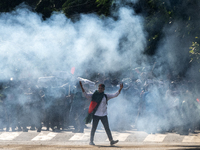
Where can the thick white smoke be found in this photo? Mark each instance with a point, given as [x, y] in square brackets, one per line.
[31, 47]
[34, 47]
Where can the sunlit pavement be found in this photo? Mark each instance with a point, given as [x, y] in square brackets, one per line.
[130, 139]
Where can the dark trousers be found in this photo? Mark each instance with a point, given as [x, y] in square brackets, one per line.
[104, 121]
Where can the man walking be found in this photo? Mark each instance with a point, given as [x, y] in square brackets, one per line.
[98, 108]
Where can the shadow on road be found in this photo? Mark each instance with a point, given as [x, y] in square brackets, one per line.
[170, 147]
[103, 147]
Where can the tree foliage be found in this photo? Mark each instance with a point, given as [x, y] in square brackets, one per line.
[9, 5]
[195, 52]
[69, 7]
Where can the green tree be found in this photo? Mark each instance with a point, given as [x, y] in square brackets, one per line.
[195, 52]
[74, 7]
[9, 5]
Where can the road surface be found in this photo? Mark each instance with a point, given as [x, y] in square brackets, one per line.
[130, 139]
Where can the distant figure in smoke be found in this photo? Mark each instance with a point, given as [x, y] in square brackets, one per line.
[149, 116]
[99, 103]
[78, 110]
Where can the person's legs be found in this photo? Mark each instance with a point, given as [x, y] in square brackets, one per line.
[94, 127]
[104, 121]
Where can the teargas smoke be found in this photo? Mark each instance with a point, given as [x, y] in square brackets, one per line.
[41, 61]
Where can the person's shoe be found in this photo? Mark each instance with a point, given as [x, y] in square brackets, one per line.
[91, 143]
[25, 130]
[32, 128]
[39, 130]
[113, 142]
[13, 130]
[19, 129]
[81, 131]
[75, 131]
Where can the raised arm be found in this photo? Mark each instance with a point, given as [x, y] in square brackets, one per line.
[88, 96]
[110, 96]
[121, 87]
[81, 86]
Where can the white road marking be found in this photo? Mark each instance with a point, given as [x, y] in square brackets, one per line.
[44, 137]
[155, 138]
[80, 136]
[120, 136]
[9, 136]
[193, 139]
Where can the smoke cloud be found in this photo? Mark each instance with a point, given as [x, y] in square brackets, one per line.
[29, 43]
[31, 47]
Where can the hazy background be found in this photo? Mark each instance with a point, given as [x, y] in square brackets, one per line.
[31, 47]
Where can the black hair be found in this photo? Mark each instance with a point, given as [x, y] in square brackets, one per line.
[102, 85]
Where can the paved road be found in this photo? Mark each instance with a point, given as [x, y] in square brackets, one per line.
[68, 140]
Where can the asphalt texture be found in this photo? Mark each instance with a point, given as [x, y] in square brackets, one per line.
[67, 139]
